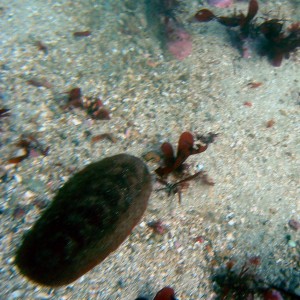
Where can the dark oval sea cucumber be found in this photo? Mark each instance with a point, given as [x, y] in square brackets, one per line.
[90, 216]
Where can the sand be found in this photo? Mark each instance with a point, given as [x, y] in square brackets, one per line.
[152, 98]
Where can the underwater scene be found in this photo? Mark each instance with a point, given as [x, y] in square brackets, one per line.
[150, 150]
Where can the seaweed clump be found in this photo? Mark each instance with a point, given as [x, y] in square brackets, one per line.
[186, 147]
[94, 107]
[239, 283]
[277, 44]
[267, 38]
[172, 163]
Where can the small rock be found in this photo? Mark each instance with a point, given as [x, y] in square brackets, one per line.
[231, 223]
[292, 244]
[16, 294]
[43, 296]
[230, 236]
[28, 195]
[18, 178]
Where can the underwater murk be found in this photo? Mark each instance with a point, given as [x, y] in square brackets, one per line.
[103, 198]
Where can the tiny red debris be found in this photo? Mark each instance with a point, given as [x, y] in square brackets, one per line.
[75, 98]
[42, 47]
[247, 103]
[93, 107]
[17, 159]
[40, 83]
[158, 227]
[32, 148]
[97, 111]
[255, 260]
[254, 84]
[270, 123]
[82, 33]
[294, 224]
[200, 239]
[103, 136]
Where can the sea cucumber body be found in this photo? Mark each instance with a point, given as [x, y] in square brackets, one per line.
[91, 215]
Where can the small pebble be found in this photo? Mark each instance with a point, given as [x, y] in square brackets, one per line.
[230, 216]
[158, 227]
[292, 244]
[231, 222]
[16, 294]
[76, 121]
[43, 296]
[283, 112]
[230, 236]
[28, 195]
[18, 178]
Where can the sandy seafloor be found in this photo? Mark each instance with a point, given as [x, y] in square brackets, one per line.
[152, 98]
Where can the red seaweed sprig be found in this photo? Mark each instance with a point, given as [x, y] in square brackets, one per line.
[186, 147]
[267, 39]
[277, 43]
[93, 107]
[31, 147]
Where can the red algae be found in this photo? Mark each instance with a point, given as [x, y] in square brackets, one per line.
[167, 293]
[179, 41]
[220, 3]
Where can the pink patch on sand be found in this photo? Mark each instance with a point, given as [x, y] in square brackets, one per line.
[220, 3]
[246, 48]
[181, 47]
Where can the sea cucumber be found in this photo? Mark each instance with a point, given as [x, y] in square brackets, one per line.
[90, 216]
